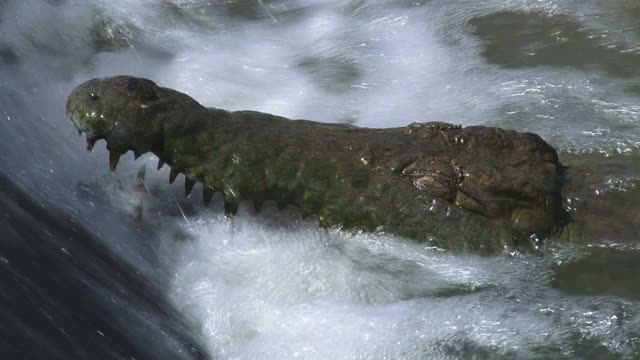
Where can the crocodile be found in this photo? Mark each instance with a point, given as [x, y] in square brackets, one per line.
[473, 188]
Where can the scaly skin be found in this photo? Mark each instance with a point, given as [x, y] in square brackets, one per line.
[602, 196]
[473, 188]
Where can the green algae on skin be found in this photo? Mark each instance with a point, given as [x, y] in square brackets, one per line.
[473, 188]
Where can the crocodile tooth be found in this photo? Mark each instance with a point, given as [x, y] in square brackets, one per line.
[114, 157]
[90, 144]
[188, 186]
[207, 194]
[172, 175]
[160, 164]
[257, 205]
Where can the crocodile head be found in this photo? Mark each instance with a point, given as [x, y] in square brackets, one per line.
[123, 110]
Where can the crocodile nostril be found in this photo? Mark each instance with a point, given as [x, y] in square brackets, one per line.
[94, 96]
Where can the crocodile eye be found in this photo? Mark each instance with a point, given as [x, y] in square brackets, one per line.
[94, 96]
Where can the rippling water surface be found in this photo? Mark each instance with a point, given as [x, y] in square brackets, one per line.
[102, 265]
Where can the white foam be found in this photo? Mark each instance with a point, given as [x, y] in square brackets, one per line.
[261, 290]
[308, 293]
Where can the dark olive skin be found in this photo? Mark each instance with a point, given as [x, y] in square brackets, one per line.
[473, 188]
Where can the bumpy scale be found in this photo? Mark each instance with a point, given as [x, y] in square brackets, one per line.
[463, 188]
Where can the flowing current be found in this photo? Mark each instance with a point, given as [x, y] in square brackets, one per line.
[120, 265]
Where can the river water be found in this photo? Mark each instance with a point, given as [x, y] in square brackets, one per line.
[120, 265]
